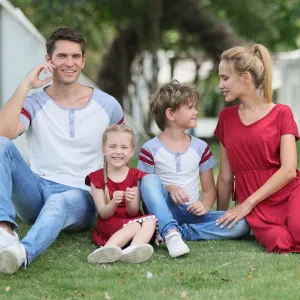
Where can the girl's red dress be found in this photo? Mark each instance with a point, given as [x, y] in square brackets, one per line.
[106, 228]
[254, 155]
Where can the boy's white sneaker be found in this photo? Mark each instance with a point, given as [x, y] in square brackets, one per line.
[137, 253]
[105, 254]
[6, 239]
[12, 258]
[176, 245]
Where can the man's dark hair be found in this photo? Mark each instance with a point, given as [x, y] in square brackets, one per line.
[65, 34]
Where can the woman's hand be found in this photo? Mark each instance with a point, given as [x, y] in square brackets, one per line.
[234, 215]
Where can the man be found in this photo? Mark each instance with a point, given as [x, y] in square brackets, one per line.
[64, 123]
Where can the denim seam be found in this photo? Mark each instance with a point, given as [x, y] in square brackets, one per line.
[13, 156]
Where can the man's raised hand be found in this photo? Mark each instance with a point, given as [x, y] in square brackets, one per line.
[32, 79]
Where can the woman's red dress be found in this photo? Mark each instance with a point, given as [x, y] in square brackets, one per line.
[254, 155]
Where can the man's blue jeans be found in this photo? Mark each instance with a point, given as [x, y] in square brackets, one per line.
[173, 216]
[52, 207]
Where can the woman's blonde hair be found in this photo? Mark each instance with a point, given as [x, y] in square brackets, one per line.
[114, 129]
[255, 60]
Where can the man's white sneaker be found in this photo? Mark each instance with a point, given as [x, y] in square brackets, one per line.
[137, 253]
[6, 239]
[105, 254]
[176, 245]
[12, 258]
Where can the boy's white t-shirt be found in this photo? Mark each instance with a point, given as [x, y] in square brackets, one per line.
[65, 144]
[178, 168]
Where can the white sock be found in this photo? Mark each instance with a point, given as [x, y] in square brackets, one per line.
[128, 249]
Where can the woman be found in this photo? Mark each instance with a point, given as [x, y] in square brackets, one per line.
[258, 152]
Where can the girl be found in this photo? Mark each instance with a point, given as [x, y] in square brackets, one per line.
[258, 150]
[117, 198]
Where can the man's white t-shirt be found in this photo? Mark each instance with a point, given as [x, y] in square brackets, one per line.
[65, 144]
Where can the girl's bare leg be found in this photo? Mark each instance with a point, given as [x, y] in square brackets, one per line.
[144, 235]
[124, 235]
[112, 250]
[140, 251]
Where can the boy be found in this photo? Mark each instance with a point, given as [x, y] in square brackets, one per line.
[180, 160]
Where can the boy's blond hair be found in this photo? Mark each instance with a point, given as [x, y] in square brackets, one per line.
[171, 95]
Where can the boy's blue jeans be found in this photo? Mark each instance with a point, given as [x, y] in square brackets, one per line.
[52, 207]
[173, 216]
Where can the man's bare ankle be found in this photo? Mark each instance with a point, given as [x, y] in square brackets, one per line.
[7, 227]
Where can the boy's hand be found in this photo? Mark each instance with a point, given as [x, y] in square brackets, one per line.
[118, 197]
[197, 208]
[130, 194]
[178, 194]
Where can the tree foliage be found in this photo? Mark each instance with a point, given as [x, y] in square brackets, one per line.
[276, 23]
[120, 30]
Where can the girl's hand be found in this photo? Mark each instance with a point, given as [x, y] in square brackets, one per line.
[118, 197]
[178, 194]
[130, 194]
[197, 208]
[234, 215]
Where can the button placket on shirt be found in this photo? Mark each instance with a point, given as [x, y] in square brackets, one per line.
[71, 123]
[178, 164]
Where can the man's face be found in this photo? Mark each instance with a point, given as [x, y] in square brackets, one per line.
[68, 59]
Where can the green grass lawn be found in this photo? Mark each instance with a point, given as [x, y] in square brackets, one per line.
[239, 269]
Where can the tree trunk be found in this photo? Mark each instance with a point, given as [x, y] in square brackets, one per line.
[212, 35]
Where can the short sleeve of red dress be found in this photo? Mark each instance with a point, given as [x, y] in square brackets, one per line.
[288, 124]
[219, 131]
[97, 178]
[136, 175]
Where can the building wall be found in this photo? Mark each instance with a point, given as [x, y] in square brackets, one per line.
[20, 51]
